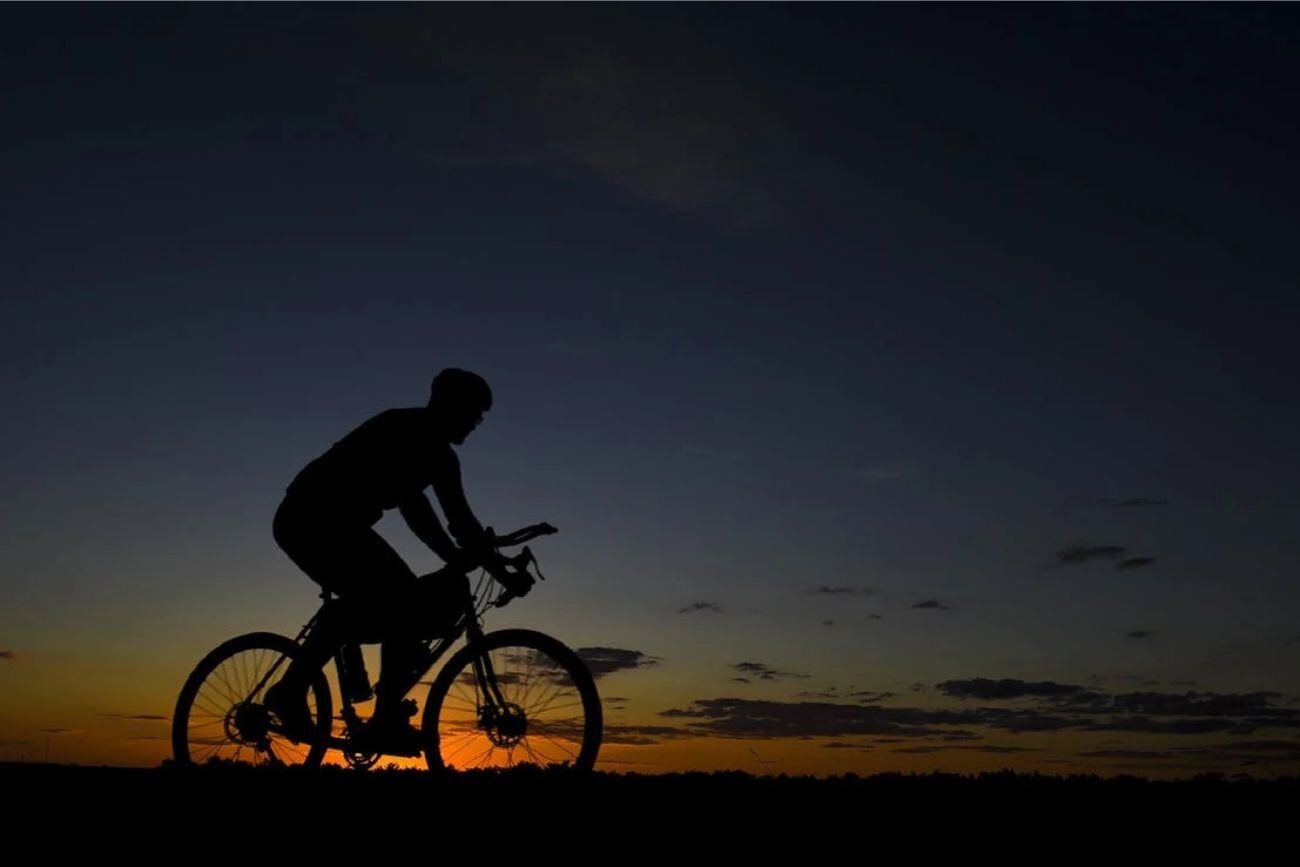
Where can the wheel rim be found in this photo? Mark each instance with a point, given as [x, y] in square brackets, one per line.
[225, 722]
[543, 722]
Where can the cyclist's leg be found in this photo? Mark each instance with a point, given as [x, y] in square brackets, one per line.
[377, 588]
[330, 553]
[389, 598]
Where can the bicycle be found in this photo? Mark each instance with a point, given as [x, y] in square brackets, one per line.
[505, 698]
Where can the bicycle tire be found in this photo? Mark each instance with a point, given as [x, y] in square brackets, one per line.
[543, 679]
[218, 689]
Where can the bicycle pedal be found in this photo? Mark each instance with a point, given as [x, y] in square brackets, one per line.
[409, 707]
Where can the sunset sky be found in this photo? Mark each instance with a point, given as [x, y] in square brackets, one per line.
[913, 386]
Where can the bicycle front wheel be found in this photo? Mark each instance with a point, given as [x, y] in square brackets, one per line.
[518, 697]
[220, 717]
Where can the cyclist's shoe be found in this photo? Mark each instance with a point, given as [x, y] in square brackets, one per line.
[392, 732]
[287, 703]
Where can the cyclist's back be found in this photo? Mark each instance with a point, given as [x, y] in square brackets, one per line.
[388, 459]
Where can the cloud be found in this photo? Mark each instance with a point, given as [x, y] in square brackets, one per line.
[1085, 553]
[868, 697]
[1131, 501]
[701, 606]
[1128, 754]
[845, 745]
[1064, 707]
[1260, 704]
[829, 692]
[743, 718]
[633, 735]
[607, 660]
[1168, 727]
[151, 717]
[838, 591]
[875, 616]
[994, 749]
[1250, 710]
[1140, 633]
[470, 679]
[1030, 721]
[660, 130]
[934, 604]
[1260, 746]
[8, 655]
[1248, 752]
[662, 113]
[1135, 562]
[1006, 688]
[828, 623]
[763, 672]
[961, 736]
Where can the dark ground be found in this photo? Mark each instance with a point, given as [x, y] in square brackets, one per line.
[1005, 805]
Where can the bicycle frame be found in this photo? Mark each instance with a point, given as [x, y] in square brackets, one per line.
[248, 720]
[468, 624]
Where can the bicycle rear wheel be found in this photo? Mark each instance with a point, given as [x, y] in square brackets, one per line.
[220, 717]
[549, 716]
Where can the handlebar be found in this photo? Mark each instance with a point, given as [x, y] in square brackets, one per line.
[520, 562]
[522, 535]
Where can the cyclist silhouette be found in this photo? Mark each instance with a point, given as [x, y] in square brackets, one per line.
[325, 525]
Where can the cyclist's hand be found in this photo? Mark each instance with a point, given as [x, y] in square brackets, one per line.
[517, 582]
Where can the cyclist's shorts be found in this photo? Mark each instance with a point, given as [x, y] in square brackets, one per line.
[354, 562]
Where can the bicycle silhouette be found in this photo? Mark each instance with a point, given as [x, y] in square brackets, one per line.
[505, 698]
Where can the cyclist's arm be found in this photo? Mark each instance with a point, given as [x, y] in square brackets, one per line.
[466, 529]
[424, 523]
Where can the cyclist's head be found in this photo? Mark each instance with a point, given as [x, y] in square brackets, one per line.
[459, 399]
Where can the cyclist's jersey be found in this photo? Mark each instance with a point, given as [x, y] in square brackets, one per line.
[388, 460]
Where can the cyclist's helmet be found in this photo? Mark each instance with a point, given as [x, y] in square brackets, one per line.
[459, 390]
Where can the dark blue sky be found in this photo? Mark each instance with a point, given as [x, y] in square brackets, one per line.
[771, 297]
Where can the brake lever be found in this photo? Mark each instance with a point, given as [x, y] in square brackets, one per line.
[533, 560]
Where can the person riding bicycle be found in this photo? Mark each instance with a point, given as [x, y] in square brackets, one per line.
[325, 524]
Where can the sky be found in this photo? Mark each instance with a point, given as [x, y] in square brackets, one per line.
[913, 386]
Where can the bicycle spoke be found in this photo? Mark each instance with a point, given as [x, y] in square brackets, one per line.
[452, 754]
[224, 717]
[557, 690]
[532, 683]
[230, 678]
[481, 757]
[556, 738]
[529, 749]
[560, 744]
[224, 695]
[550, 705]
[538, 751]
[527, 679]
[212, 711]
